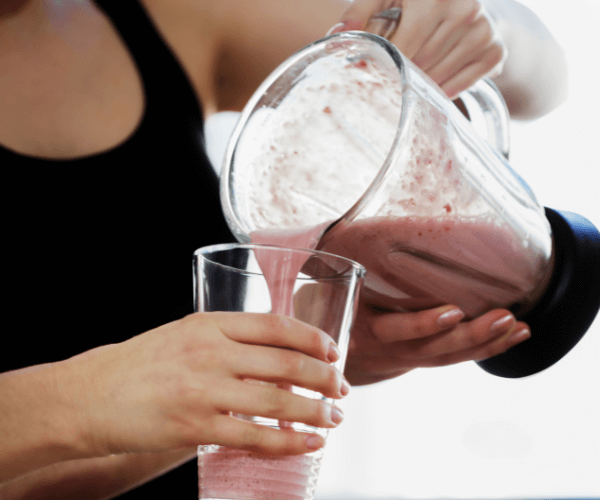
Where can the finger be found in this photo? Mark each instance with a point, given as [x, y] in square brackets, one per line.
[279, 331]
[445, 39]
[518, 333]
[417, 25]
[470, 74]
[282, 366]
[465, 51]
[384, 23]
[270, 401]
[464, 336]
[392, 327]
[457, 23]
[437, 47]
[235, 433]
[478, 46]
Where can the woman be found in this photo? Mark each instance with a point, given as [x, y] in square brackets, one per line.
[101, 145]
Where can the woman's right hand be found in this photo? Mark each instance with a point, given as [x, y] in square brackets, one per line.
[456, 42]
[175, 386]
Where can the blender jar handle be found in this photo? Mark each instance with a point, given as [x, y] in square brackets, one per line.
[489, 103]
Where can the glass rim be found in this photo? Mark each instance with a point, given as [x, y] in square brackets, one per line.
[359, 269]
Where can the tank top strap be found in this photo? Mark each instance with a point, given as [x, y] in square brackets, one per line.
[163, 76]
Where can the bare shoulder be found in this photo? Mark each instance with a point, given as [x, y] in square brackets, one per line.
[191, 29]
[189, 17]
[255, 36]
[229, 46]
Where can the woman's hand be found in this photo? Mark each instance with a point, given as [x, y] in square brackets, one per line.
[384, 345]
[175, 386]
[454, 41]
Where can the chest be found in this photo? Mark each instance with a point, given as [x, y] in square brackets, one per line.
[69, 92]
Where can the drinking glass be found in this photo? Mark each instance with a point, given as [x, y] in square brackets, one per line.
[315, 287]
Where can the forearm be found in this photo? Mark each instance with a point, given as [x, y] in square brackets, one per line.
[534, 79]
[94, 478]
[40, 419]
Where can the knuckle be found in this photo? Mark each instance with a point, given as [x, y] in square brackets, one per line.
[487, 40]
[322, 414]
[291, 363]
[473, 338]
[478, 23]
[426, 328]
[252, 436]
[495, 54]
[197, 319]
[275, 324]
[471, 341]
[472, 15]
[191, 324]
[333, 379]
[317, 342]
[273, 402]
[188, 437]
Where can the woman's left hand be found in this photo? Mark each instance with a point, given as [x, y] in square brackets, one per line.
[385, 345]
[454, 41]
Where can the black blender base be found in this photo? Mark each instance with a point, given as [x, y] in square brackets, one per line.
[569, 306]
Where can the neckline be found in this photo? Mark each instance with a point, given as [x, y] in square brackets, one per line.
[142, 120]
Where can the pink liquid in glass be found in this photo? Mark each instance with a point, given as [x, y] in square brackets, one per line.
[236, 474]
[281, 274]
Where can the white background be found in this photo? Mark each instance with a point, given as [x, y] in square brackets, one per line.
[458, 432]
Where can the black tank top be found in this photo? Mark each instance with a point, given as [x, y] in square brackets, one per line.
[99, 249]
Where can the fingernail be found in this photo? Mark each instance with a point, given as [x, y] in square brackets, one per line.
[314, 442]
[502, 324]
[520, 336]
[452, 94]
[336, 415]
[345, 388]
[450, 317]
[333, 354]
[339, 27]
[345, 26]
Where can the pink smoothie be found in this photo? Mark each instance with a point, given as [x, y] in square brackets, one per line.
[434, 235]
[227, 474]
[281, 274]
[416, 259]
[416, 263]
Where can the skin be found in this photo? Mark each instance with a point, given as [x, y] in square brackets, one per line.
[183, 378]
[454, 41]
[69, 88]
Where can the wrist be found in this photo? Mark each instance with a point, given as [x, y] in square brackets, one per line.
[83, 384]
[41, 423]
